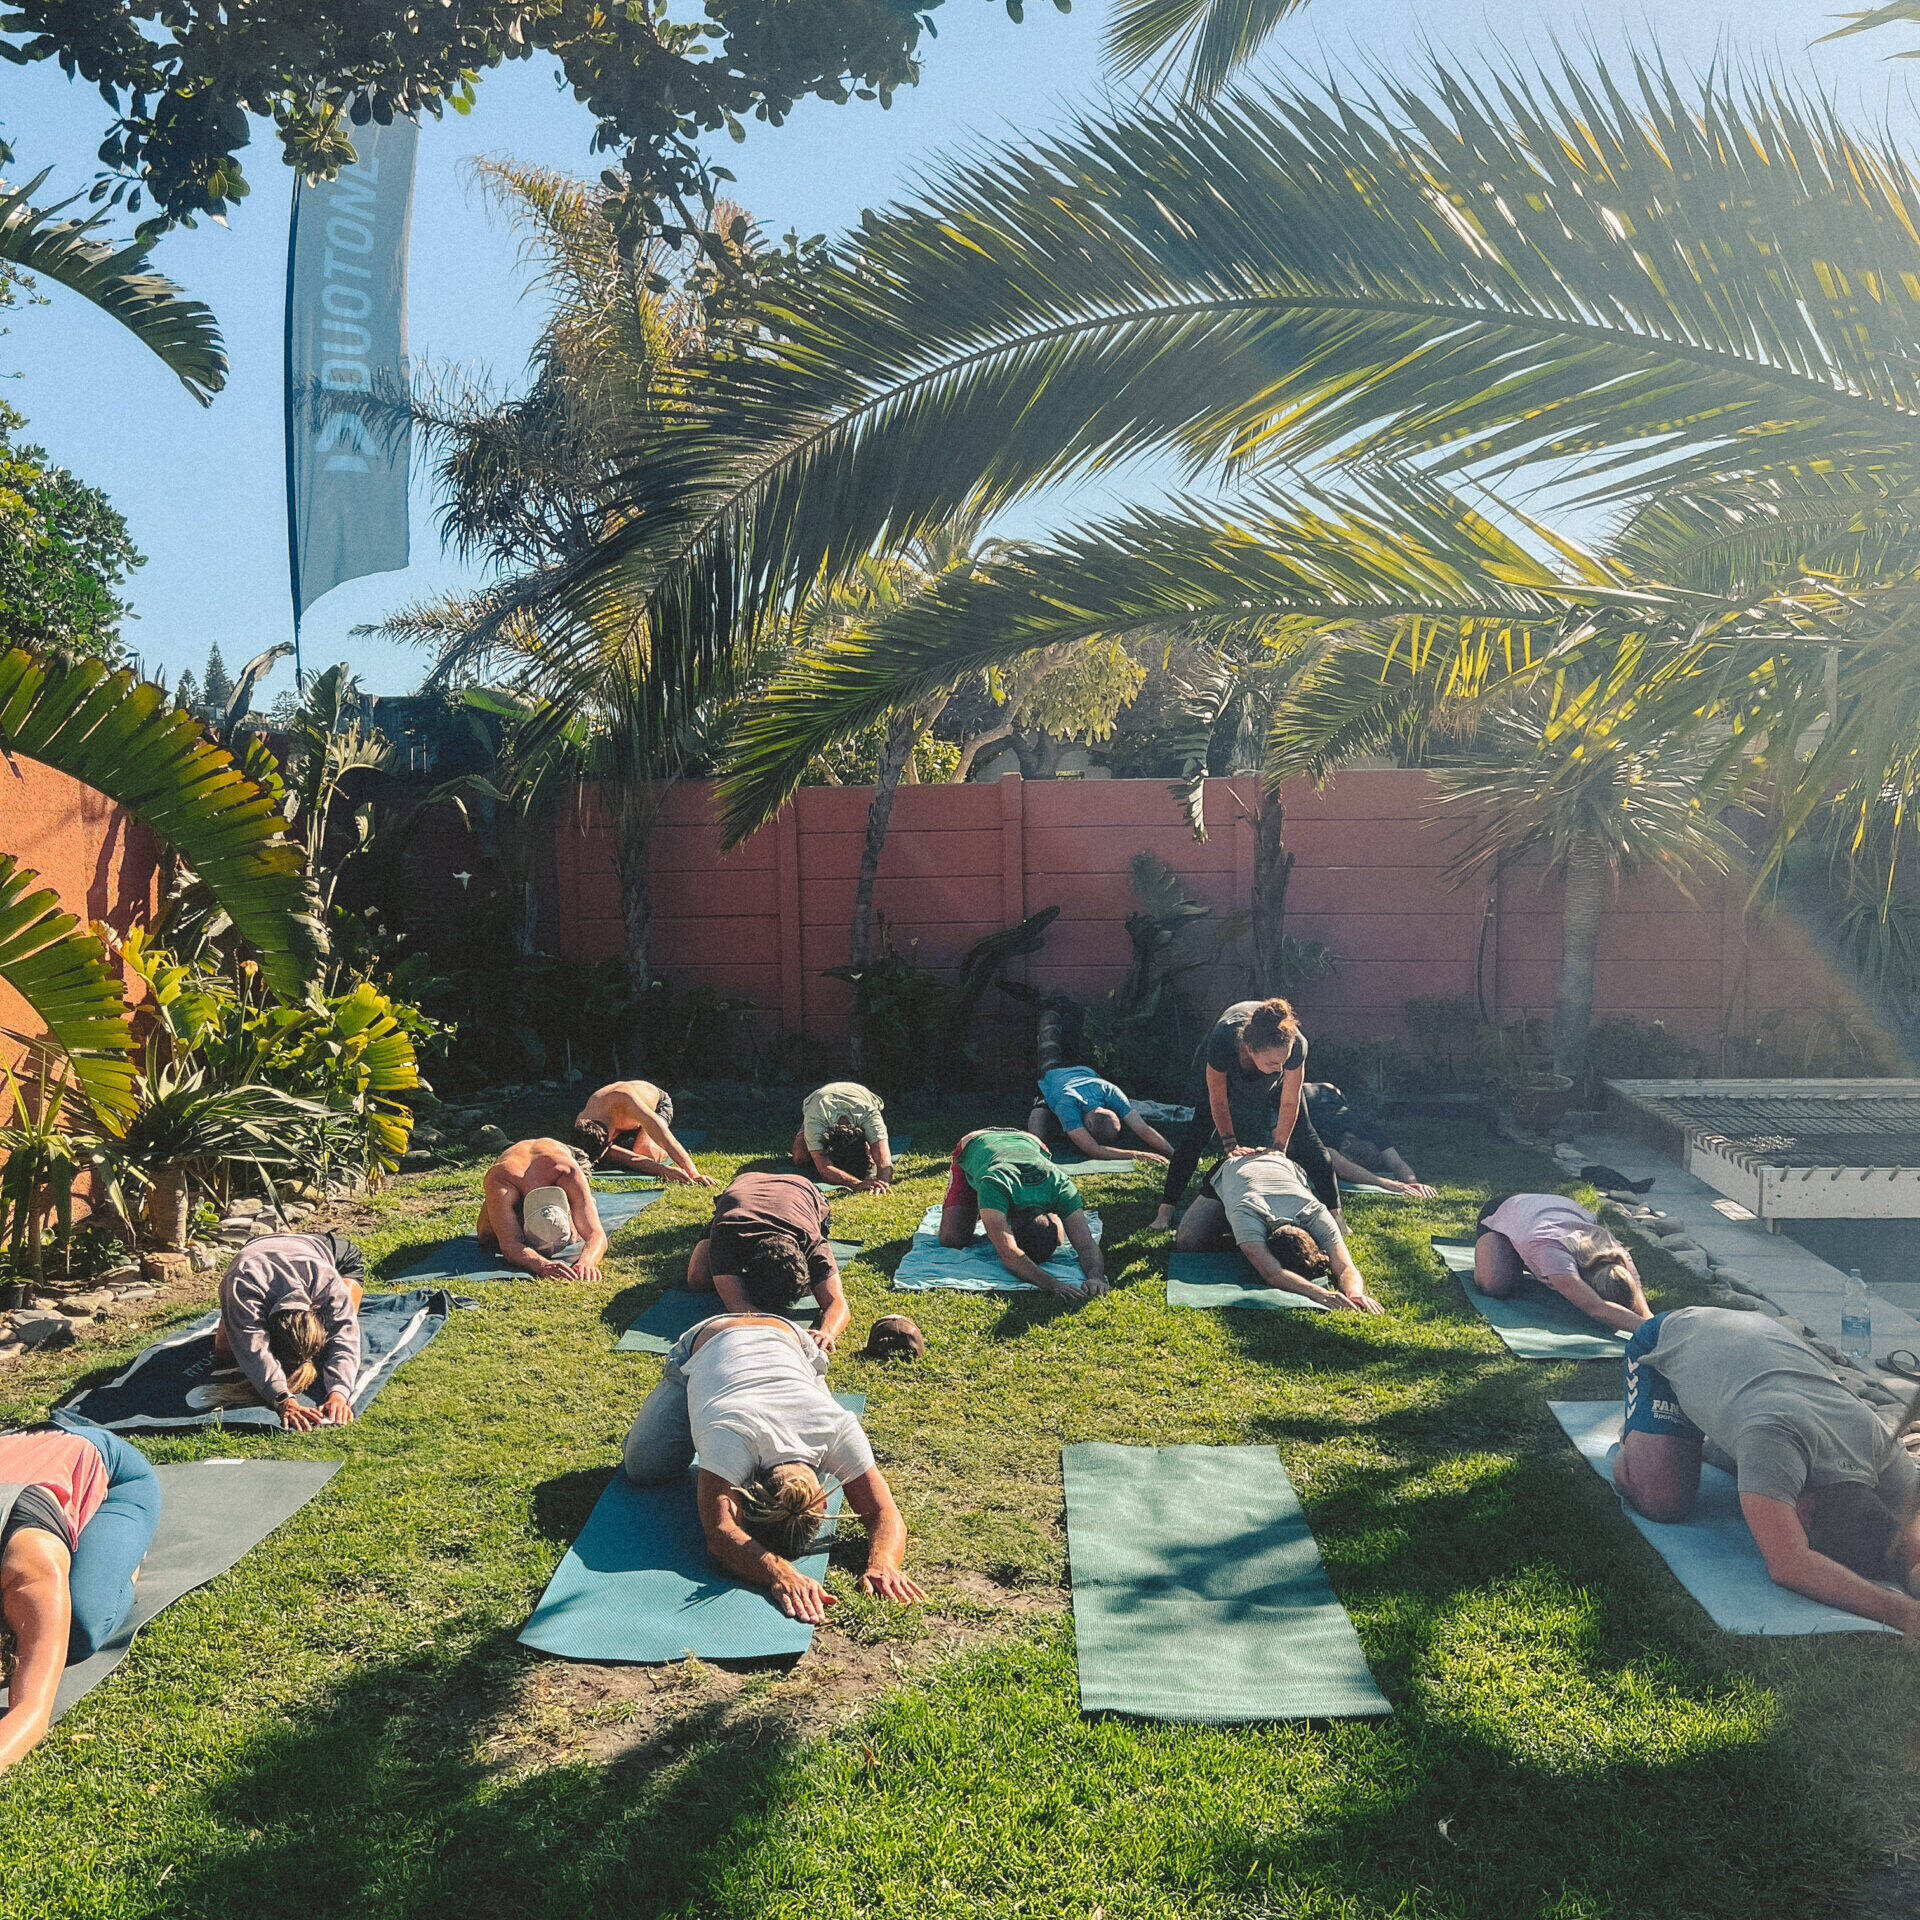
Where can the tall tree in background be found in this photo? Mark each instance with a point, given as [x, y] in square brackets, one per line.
[216, 684]
[530, 482]
[64, 553]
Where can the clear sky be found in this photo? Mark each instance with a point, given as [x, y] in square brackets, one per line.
[203, 488]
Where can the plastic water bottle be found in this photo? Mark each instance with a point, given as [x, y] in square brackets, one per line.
[1856, 1321]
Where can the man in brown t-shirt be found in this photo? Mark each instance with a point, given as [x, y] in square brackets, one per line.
[767, 1246]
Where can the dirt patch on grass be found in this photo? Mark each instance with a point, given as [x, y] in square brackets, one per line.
[655, 1715]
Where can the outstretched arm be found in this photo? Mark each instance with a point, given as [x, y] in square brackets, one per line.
[1000, 1237]
[1348, 1278]
[37, 1603]
[1356, 1175]
[872, 1499]
[1221, 1108]
[1093, 1263]
[734, 1549]
[1576, 1293]
[1255, 1254]
[586, 1217]
[1151, 1135]
[1792, 1563]
[1092, 1148]
[833, 1310]
[680, 1161]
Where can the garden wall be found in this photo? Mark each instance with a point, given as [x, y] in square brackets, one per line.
[103, 865]
[762, 922]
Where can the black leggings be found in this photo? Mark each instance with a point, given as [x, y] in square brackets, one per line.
[1304, 1149]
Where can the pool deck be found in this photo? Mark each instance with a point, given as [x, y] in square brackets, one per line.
[1803, 1286]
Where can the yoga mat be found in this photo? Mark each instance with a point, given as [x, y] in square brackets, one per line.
[464, 1258]
[1712, 1553]
[1082, 1168]
[1198, 1592]
[975, 1269]
[668, 1317]
[1536, 1324]
[1158, 1110]
[638, 1585]
[157, 1389]
[213, 1513]
[1367, 1186]
[1225, 1280]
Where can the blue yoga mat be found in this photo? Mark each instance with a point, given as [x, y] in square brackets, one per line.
[975, 1269]
[156, 1390]
[668, 1317]
[638, 1585]
[1534, 1323]
[1712, 1553]
[1199, 1593]
[1225, 1280]
[464, 1258]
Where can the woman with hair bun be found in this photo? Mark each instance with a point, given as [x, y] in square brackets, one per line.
[1248, 1078]
[747, 1393]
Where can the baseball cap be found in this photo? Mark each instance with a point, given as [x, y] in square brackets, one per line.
[547, 1221]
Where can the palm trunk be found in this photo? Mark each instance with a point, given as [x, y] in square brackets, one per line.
[1586, 890]
[167, 1207]
[895, 754]
[1272, 868]
[633, 819]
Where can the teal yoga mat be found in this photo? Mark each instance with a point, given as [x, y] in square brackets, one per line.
[464, 1258]
[975, 1269]
[638, 1586]
[1712, 1553]
[1198, 1591]
[1081, 1168]
[1225, 1280]
[1536, 1323]
[1367, 1187]
[668, 1317]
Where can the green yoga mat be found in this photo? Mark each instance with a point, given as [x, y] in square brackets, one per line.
[1712, 1553]
[676, 1310]
[927, 1265]
[638, 1586]
[1367, 1187]
[1198, 1592]
[464, 1258]
[1536, 1323]
[213, 1513]
[1225, 1280]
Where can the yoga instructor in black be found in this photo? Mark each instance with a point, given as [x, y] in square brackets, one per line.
[1253, 1062]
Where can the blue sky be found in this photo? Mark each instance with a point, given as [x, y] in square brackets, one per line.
[202, 489]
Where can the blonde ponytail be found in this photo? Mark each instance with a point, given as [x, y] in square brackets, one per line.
[783, 1508]
[296, 1337]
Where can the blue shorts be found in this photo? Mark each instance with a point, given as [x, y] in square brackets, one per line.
[1651, 1405]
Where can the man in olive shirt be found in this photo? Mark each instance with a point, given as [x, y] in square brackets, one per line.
[1006, 1181]
[1832, 1498]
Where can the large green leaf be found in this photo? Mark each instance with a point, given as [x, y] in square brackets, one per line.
[118, 281]
[62, 972]
[1218, 36]
[117, 734]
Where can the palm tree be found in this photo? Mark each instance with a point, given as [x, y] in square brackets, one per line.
[117, 280]
[1601, 810]
[1651, 296]
[531, 483]
[117, 734]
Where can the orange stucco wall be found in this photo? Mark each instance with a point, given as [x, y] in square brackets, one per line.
[103, 865]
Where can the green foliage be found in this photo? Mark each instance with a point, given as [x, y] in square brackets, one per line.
[181, 83]
[901, 1009]
[216, 687]
[64, 552]
[41, 1160]
[1443, 1025]
[1622, 1048]
[117, 280]
[1373, 1069]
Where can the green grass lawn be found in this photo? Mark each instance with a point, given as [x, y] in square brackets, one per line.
[346, 1726]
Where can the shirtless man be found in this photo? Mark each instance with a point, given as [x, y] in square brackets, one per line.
[626, 1116]
[546, 1173]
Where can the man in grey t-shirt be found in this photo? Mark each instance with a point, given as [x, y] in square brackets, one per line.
[1832, 1498]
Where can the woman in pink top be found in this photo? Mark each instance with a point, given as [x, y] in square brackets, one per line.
[1564, 1247]
[77, 1512]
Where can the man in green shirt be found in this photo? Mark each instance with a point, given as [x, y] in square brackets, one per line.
[1005, 1181]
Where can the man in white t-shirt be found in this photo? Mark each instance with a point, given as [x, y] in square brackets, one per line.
[747, 1394]
[1264, 1203]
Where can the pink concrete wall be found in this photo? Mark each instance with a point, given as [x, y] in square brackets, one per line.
[103, 865]
[762, 922]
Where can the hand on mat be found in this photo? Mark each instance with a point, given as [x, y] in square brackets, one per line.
[873, 1185]
[1413, 1189]
[1363, 1301]
[542, 1268]
[297, 1418]
[337, 1410]
[800, 1598]
[889, 1583]
[694, 1179]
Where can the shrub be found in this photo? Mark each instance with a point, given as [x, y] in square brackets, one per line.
[1621, 1048]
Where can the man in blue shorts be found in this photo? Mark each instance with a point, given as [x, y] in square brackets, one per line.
[1093, 1113]
[1832, 1497]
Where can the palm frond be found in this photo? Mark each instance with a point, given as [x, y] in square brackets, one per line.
[1403, 555]
[1217, 37]
[1665, 287]
[182, 332]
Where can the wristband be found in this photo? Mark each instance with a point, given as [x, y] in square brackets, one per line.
[1228, 1141]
